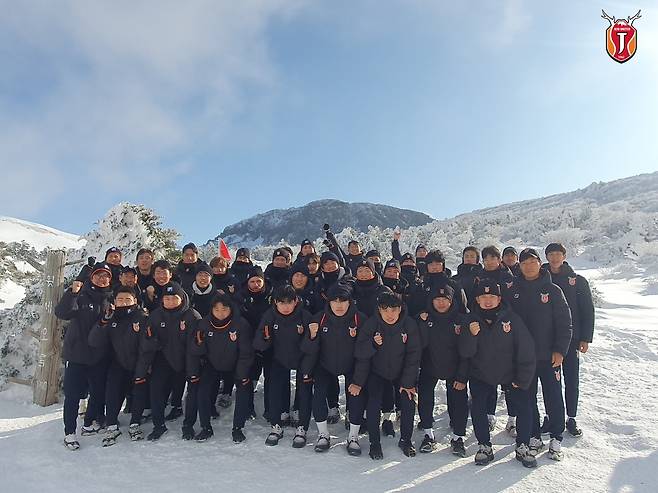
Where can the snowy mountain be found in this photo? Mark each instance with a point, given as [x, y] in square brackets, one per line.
[295, 224]
[22, 251]
[126, 226]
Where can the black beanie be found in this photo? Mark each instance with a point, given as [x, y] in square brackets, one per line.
[328, 256]
[112, 250]
[435, 256]
[243, 252]
[281, 252]
[443, 292]
[100, 266]
[205, 268]
[392, 263]
[487, 286]
[366, 263]
[339, 291]
[173, 289]
[307, 242]
[373, 253]
[509, 249]
[299, 267]
[255, 271]
[406, 257]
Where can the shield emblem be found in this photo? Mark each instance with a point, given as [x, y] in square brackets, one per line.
[404, 338]
[572, 281]
[507, 326]
[621, 38]
[233, 336]
[182, 325]
[509, 284]
[458, 329]
[136, 326]
[544, 297]
[558, 375]
[300, 329]
[231, 289]
[352, 331]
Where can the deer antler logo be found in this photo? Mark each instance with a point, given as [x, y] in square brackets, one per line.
[621, 37]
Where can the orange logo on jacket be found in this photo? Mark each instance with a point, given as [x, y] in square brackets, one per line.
[544, 297]
[136, 327]
[572, 281]
[458, 329]
[182, 325]
[404, 338]
[352, 331]
[507, 326]
[233, 336]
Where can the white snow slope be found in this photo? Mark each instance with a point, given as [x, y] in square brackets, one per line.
[618, 452]
[37, 235]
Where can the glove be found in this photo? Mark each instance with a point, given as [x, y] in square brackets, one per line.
[326, 227]
[91, 261]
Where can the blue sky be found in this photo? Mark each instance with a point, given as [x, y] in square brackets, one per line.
[212, 111]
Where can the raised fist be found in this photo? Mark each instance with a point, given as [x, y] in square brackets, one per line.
[313, 329]
[75, 287]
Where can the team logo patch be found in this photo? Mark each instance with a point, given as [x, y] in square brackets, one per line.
[544, 297]
[325, 329]
[509, 284]
[404, 338]
[458, 329]
[621, 37]
[136, 326]
[210, 334]
[233, 336]
[487, 289]
[231, 289]
[275, 326]
[300, 329]
[430, 324]
[507, 326]
[558, 374]
[114, 324]
[91, 306]
[182, 325]
[572, 281]
[162, 324]
[352, 331]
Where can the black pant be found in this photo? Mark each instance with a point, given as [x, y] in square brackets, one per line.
[323, 382]
[457, 404]
[333, 391]
[571, 373]
[227, 378]
[162, 378]
[481, 397]
[262, 365]
[177, 389]
[191, 405]
[551, 384]
[118, 387]
[376, 388]
[279, 382]
[209, 375]
[77, 378]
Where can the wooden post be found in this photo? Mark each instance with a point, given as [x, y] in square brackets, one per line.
[46, 376]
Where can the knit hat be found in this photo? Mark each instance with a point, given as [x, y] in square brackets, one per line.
[243, 252]
[145, 250]
[326, 256]
[509, 249]
[392, 264]
[307, 242]
[255, 271]
[99, 267]
[366, 263]
[205, 268]
[435, 256]
[443, 292]
[129, 270]
[339, 291]
[299, 267]
[487, 286]
[373, 253]
[112, 250]
[420, 246]
[173, 289]
[406, 257]
[281, 252]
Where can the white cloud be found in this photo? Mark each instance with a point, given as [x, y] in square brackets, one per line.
[122, 84]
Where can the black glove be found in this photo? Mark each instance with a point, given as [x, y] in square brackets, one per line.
[91, 261]
[326, 227]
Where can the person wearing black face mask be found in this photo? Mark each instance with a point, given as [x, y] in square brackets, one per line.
[332, 272]
[437, 276]
[165, 351]
[394, 281]
[277, 273]
[120, 330]
[86, 367]
[367, 288]
[241, 266]
[223, 337]
[376, 261]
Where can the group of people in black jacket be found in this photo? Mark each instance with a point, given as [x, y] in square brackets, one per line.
[391, 329]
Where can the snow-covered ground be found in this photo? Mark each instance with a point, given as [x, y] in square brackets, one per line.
[618, 452]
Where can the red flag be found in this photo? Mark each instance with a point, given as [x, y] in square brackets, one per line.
[223, 250]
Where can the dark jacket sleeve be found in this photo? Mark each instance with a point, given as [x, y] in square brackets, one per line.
[148, 345]
[245, 353]
[310, 349]
[585, 309]
[99, 335]
[525, 356]
[462, 366]
[261, 343]
[335, 248]
[467, 341]
[395, 250]
[195, 349]
[364, 350]
[561, 321]
[409, 375]
[67, 307]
